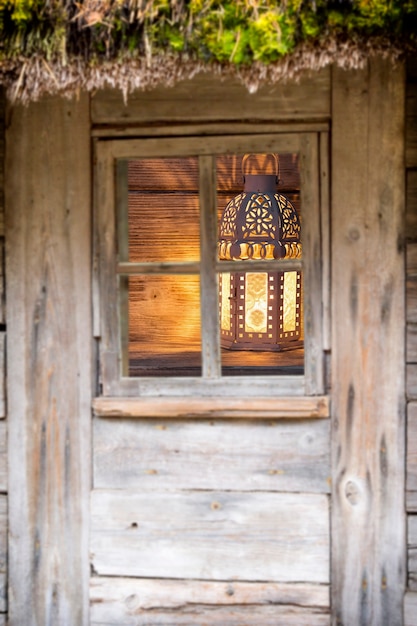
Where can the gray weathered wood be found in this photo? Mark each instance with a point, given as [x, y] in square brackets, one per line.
[368, 521]
[267, 456]
[2, 156]
[49, 366]
[412, 446]
[325, 237]
[212, 535]
[206, 98]
[410, 608]
[412, 552]
[209, 286]
[128, 601]
[312, 267]
[411, 381]
[3, 456]
[2, 374]
[411, 343]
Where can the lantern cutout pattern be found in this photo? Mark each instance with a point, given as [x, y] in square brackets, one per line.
[260, 310]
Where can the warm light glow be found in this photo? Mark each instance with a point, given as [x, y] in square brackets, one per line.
[256, 302]
[289, 301]
[225, 301]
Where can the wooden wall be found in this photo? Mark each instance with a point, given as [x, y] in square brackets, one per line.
[211, 521]
[411, 354]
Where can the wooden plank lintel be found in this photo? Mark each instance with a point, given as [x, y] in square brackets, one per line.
[146, 130]
[242, 408]
[221, 266]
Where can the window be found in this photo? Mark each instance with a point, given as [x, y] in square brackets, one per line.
[163, 314]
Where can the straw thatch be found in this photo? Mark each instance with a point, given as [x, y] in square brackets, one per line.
[63, 46]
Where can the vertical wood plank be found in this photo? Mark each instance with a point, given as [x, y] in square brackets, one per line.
[48, 232]
[312, 271]
[210, 331]
[368, 553]
[325, 235]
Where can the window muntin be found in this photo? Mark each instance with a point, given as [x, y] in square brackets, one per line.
[111, 155]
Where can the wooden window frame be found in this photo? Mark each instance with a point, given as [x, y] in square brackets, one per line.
[279, 396]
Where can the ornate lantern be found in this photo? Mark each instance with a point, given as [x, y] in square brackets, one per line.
[260, 310]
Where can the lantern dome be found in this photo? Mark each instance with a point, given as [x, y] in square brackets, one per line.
[259, 223]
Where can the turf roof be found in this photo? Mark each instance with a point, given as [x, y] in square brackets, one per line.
[66, 45]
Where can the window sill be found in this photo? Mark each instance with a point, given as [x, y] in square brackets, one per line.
[301, 407]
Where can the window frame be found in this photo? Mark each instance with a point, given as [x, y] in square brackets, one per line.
[107, 270]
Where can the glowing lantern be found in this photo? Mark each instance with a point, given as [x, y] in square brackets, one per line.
[260, 310]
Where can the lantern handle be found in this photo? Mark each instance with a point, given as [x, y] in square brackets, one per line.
[276, 159]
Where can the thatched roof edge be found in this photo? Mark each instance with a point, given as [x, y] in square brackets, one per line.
[28, 79]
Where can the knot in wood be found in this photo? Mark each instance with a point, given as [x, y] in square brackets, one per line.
[352, 493]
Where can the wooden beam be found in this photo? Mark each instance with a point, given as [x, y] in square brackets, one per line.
[368, 321]
[213, 407]
[48, 171]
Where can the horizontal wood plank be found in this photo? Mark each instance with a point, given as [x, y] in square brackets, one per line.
[411, 125]
[411, 343]
[411, 381]
[128, 601]
[411, 501]
[212, 407]
[266, 456]
[211, 535]
[185, 129]
[412, 552]
[410, 608]
[209, 99]
[412, 446]
[411, 205]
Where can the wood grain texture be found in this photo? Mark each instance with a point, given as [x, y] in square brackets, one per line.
[412, 552]
[239, 407]
[412, 447]
[262, 456]
[410, 608]
[368, 522]
[206, 98]
[2, 157]
[3, 457]
[214, 535]
[411, 204]
[49, 368]
[411, 116]
[128, 602]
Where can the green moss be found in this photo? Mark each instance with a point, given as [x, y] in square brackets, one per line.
[232, 31]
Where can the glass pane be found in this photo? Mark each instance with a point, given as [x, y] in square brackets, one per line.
[164, 326]
[163, 210]
[260, 311]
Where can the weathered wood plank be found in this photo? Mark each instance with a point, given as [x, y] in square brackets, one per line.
[194, 406]
[411, 343]
[127, 601]
[2, 374]
[185, 129]
[411, 125]
[412, 446]
[209, 287]
[412, 501]
[3, 456]
[410, 608]
[3, 533]
[211, 536]
[412, 552]
[368, 521]
[206, 98]
[267, 456]
[2, 156]
[411, 205]
[48, 170]
[411, 381]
